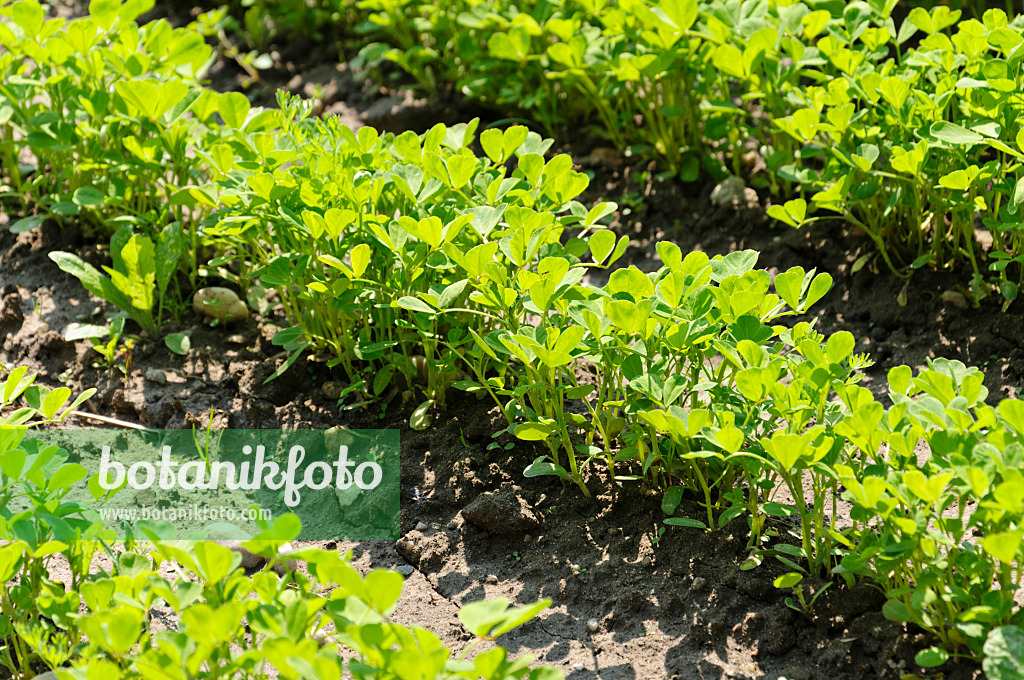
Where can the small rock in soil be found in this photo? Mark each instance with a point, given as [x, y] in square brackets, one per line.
[219, 303]
[954, 298]
[603, 157]
[405, 570]
[728, 191]
[331, 390]
[155, 375]
[699, 583]
[237, 339]
[422, 526]
[593, 625]
[491, 578]
[733, 192]
[502, 513]
[798, 673]
[11, 314]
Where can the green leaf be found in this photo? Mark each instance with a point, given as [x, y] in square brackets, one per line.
[839, 347]
[686, 522]
[26, 223]
[360, 258]
[53, 402]
[1004, 654]
[234, 109]
[215, 561]
[460, 169]
[65, 476]
[821, 284]
[1003, 546]
[104, 12]
[624, 314]
[491, 141]
[535, 432]
[421, 418]
[789, 580]
[899, 379]
[682, 12]
[897, 610]
[670, 501]
[895, 90]
[601, 244]
[542, 467]
[87, 197]
[384, 587]
[955, 134]
[415, 305]
[179, 343]
[931, 657]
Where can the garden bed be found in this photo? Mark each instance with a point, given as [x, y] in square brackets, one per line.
[630, 600]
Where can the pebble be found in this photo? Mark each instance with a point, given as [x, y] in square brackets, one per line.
[646, 561]
[219, 303]
[491, 578]
[237, 339]
[405, 570]
[699, 583]
[422, 526]
[593, 625]
[728, 191]
[954, 298]
[453, 525]
[601, 156]
[517, 488]
[331, 390]
[155, 375]
[577, 666]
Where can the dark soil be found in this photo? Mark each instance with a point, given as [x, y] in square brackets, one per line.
[666, 605]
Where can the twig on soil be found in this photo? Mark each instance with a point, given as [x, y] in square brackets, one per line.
[109, 421]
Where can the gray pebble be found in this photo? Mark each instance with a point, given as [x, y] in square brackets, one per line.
[155, 375]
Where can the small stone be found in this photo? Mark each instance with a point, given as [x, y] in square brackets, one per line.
[517, 488]
[527, 538]
[954, 298]
[331, 390]
[155, 375]
[491, 578]
[405, 570]
[729, 192]
[219, 303]
[699, 583]
[237, 339]
[601, 156]
[502, 513]
[646, 561]
[593, 625]
[577, 666]
[453, 525]
[422, 526]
